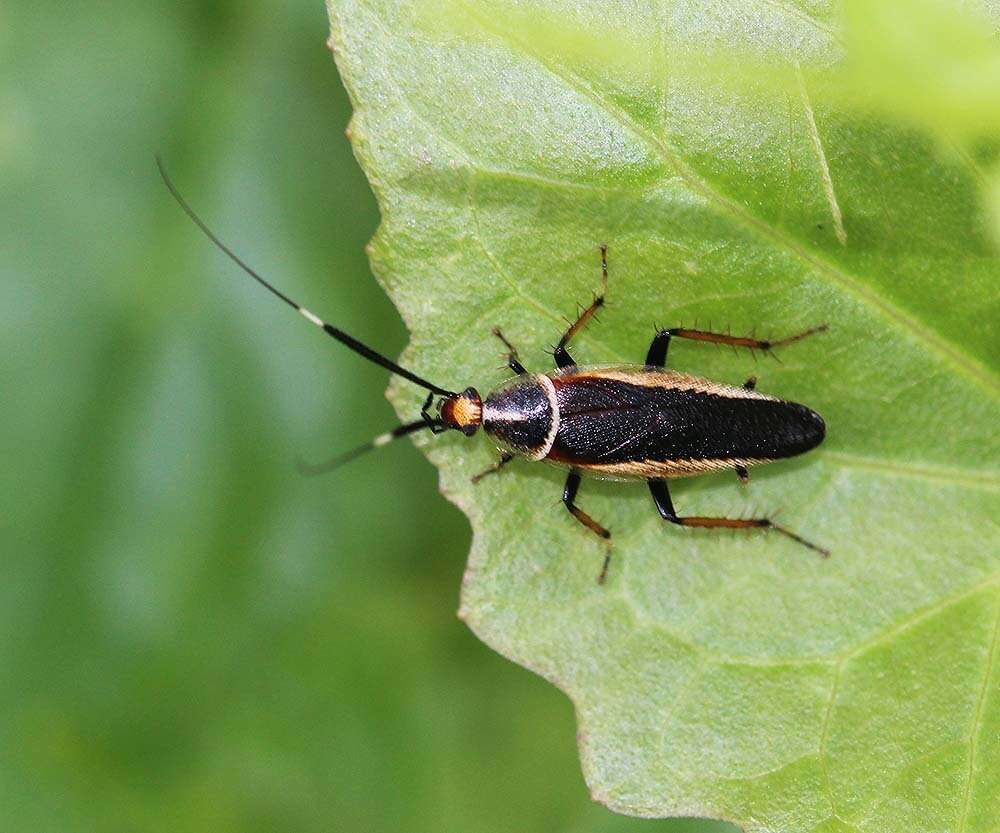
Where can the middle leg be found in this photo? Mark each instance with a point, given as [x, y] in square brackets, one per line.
[569, 499]
[562, 356]
[505, 458]
[661, 497]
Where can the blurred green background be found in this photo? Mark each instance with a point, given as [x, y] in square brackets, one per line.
[194, 637]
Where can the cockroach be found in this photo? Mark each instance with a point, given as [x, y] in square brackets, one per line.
[615, 422]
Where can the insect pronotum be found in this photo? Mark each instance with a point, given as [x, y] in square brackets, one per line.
[621, 422]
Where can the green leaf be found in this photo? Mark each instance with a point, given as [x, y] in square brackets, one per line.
[724, 675]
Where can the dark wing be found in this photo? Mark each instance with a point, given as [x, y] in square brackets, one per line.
[607, 421]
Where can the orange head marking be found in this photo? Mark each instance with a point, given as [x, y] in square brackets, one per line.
[463, 411]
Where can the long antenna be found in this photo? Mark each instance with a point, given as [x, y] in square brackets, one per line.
[377, 442]
[350, 342]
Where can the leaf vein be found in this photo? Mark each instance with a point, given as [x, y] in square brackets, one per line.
[977, 720]
[887, 635]
[967, 478]
[838, 668]
[506, 174]
[797, 13]
[824, 167]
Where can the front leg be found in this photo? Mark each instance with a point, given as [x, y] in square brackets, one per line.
[562, 356]
[661, 497]
[430, 421]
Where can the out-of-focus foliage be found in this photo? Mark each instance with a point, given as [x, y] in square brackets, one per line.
[191, 636]
[934, 63]
[798, 179]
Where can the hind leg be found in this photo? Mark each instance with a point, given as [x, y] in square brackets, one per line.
[661, 497]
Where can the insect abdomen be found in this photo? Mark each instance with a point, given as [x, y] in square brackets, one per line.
[646, 423]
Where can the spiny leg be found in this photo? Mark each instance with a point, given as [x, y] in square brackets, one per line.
[430, 421]
[562, 356]
[505, 458]
[569, 498]
[513, 360]
[661, 497]
[657, 355]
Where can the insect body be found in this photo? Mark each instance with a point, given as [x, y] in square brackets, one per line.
[641, 422]
[624, 422]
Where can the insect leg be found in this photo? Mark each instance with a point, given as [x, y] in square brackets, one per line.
[661, 497]
[750, 383]
[569, 498]
[505, 458]
[513, 360]
[562, 356]
[657, 355]
[743, 474]
[434, 424]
